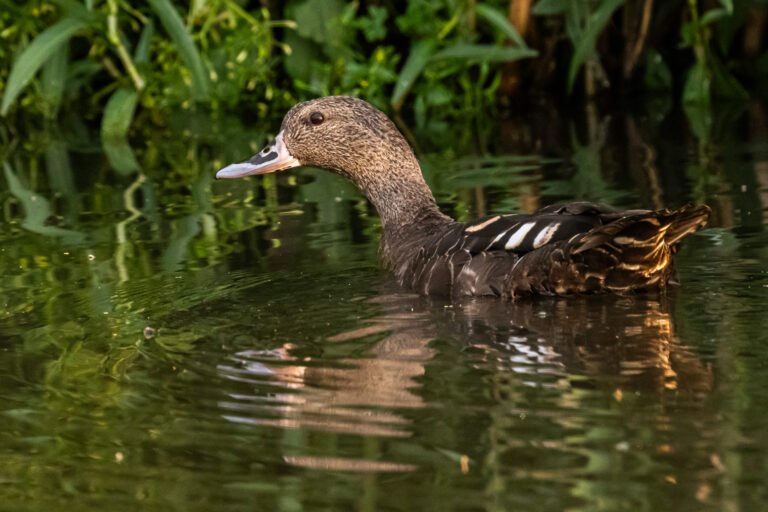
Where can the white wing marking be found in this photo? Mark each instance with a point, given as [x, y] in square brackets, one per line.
[518, 236]
[545, 236]
[478, 227]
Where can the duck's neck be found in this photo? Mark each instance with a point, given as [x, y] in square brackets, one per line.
[401, 197]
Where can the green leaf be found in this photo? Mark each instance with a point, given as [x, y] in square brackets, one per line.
[141, 53]
[699, 117]
[484, 53]
[121, 157]
[184, 44]
[688, 34]
[118, 114]
[321, 22]
[584, 47]
[313, 17]
[35, 55]
[417, 59]
[697, 86]
[54, 77]
[501, 22]
[73, 8]
[374, 25]
[550, 7]
[712, 16]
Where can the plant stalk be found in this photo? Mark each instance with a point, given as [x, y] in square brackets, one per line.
[122, 52]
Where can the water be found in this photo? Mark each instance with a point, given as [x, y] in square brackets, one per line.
[168, 342]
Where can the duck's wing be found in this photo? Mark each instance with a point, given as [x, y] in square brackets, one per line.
[562, 249]
[524, 233]
[629, 253]
[474, 258]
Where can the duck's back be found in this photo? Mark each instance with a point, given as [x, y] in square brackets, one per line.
[563, 249]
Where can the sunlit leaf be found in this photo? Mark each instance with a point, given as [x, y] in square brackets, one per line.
[36, 54]
[417, 59]
[184, 44]
[484, 53]
[501, 22]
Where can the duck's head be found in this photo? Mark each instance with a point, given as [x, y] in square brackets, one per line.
[356, 140]
[340, 133]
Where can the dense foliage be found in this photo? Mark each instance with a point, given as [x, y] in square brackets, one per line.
[109, 58]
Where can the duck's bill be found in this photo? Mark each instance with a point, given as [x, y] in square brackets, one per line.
[275, 157]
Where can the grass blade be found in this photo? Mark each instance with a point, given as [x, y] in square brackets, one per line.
[35, 55]
[498, 20]
[118, 114]
[184, 44]
[417, 59]
[484, 53]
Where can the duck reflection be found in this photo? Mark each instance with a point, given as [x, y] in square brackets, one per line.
[358, 395]
[618, 343]
[628, 342]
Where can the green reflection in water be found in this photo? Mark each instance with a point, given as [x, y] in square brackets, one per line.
[172, 342]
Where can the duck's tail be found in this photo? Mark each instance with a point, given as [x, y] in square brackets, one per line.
[631, 253]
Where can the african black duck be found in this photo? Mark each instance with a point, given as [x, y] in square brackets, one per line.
[559, 250]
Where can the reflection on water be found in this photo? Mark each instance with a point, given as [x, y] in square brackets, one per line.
[168, 342]
[352, 395]
[628, 343]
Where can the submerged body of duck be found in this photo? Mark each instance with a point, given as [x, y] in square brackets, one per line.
[569, 248]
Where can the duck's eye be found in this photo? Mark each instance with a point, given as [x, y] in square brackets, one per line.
[316, 118]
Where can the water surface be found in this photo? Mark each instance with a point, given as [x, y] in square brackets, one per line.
[168, 342]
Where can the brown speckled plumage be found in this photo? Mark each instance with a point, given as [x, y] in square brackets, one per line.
[564, 249]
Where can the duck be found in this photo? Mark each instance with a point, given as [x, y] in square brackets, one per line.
[562, 249]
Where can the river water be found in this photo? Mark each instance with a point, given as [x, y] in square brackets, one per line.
[169, 342]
